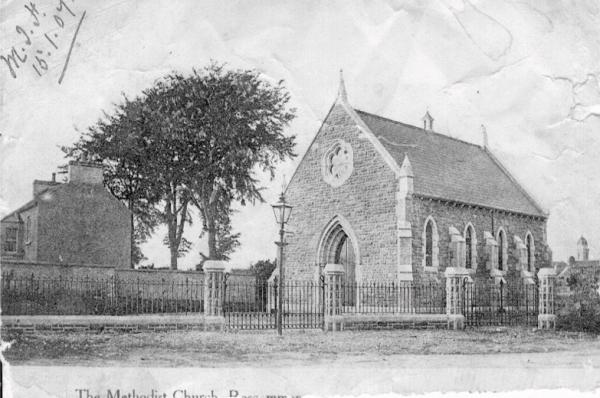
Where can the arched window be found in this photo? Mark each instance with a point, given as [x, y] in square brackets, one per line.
[530, 252]
[469, 246]
[430, 244]
[501, 250]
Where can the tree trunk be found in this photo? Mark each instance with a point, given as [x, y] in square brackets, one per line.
[173, 258]
[212, 240]
[131, 260]
[172, 226]
[173, 245]
[210, 213]
[175, 224]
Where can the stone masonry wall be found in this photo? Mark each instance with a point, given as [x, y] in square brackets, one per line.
[366, 200]
[84, 224]
[77, 271]
[458, 216]
[29, 243]
[16, 325]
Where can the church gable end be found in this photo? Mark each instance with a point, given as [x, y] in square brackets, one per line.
[343, 174]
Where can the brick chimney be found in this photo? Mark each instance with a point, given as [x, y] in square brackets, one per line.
[39, 185]
[85, 172]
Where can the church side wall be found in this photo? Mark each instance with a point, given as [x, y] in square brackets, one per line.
[447, 215]
[366, 200]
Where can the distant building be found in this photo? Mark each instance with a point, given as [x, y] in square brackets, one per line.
[590, 268]
[583, 251]
[78, 222]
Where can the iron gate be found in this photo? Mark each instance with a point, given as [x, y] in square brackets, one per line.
[487, 303]
[254, 305]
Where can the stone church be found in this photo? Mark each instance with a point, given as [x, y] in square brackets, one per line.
[395, 202]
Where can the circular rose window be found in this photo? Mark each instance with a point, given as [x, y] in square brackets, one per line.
[337, 164]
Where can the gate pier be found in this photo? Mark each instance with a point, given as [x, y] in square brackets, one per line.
[213, 287]
[334, 276]
[546, 316]
[456, 278]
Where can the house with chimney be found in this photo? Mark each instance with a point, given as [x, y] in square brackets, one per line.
[394, 202]
[75, 222]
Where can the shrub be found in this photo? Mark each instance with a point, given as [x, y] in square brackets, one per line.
[581, 309]
[264, 269]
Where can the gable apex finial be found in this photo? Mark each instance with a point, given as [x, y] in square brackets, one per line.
[342, 88]
[406, 168]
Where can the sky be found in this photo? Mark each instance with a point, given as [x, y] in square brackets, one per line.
[528, 70]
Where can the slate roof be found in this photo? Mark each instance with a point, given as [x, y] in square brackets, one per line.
[579, 265]
[451, 169]
[587, 263]
[559, 266]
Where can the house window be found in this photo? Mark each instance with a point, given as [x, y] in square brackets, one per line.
[530, 252]
[10, 242]
[470, 246]
[501, 250]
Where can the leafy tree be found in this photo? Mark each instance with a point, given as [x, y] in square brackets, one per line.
[263, 270]
[581, 308]
[228, 124]
[192, 140]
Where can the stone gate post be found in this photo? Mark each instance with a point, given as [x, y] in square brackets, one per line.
[491, 251]
[455, 277]
[334, 277]
[458, 248]
[214, 272]
[546, 316]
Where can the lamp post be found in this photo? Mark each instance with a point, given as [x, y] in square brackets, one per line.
[282, 212]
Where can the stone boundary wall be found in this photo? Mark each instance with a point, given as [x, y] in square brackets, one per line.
[387, 322]
[29, 324]
[54, 270]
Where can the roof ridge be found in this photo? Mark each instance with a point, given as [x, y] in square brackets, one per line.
[418, 128]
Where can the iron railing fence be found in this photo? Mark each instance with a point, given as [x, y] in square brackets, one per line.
[393, 297]
[490, 303]
[254, 305]
[98, 296]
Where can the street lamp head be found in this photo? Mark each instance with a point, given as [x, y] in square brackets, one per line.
[282, 210]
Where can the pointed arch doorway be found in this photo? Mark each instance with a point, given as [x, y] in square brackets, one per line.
[344, 254]
[338, 245]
